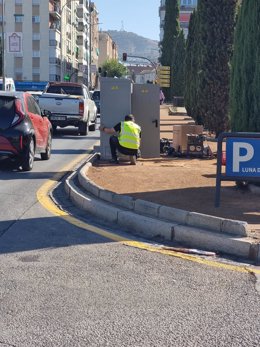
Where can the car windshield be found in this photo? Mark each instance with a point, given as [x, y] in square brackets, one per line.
[65, 90]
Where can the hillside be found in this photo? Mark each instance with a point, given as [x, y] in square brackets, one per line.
[134, 44]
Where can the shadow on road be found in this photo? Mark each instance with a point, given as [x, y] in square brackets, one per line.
[43, 233]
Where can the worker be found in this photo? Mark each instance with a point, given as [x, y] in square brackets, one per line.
[125, 138]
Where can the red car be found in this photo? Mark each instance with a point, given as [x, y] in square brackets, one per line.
[25, 130]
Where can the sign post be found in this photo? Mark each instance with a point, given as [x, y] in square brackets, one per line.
[164, 76]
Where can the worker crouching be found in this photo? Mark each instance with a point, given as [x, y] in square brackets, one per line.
[125, 139]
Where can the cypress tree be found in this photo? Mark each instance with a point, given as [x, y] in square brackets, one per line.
[216, 28]
[190, 67]
[245, 76]
[193, 65]
[178, 59]
[171, 32]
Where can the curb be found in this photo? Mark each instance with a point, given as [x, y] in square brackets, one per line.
[154, 220]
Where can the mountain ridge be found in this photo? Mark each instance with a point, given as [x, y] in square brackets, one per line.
[135, 45]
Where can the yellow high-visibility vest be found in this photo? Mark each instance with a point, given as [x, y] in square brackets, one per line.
[129, 136]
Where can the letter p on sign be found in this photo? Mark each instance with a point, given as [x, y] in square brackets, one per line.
[238, 157]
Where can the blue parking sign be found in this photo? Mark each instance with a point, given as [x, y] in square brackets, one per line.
[243, 157]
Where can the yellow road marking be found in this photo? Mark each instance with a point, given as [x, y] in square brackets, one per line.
[46, 201]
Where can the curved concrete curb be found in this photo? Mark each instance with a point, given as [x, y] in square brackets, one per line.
[154, 220]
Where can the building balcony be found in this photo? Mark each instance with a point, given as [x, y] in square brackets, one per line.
[54, 11]
[54, 35]
[54, 61]
[55, 25]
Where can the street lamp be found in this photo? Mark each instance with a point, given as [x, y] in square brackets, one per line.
[91, 32]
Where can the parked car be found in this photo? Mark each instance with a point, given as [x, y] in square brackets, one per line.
[24, 129]
[71, 105]
[96, 98]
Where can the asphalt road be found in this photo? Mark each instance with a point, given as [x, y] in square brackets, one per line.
[62, 285]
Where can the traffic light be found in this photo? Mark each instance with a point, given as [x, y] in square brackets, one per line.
[124, 56]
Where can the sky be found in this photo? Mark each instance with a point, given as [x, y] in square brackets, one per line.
[138, 16]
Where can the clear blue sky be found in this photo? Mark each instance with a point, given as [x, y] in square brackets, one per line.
[138, 16]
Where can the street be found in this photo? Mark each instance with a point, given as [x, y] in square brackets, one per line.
[62, 285]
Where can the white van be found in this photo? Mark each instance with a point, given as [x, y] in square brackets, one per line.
[9, 84]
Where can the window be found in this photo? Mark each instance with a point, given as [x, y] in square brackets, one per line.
[33, 106]
[53, 43]
[36, 36]
[18, 62]
[54, 78]
[36, 77]
[53, 60]
[18, 18]
[36, 19]
[36, 71]
[36, 63]
[18, 76]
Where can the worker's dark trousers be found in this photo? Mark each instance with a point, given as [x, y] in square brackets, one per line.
[114, 145]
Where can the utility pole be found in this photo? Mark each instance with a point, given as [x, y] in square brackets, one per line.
[90, 46]
[3, 46]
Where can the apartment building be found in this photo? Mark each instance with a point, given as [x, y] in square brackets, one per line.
[107, 48]
[94, 45]
[55, 39]
[186, 8]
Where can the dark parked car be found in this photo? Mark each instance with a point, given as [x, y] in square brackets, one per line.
[96, 98]
[24, 129]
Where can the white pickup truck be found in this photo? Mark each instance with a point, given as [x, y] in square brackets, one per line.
[70, 104]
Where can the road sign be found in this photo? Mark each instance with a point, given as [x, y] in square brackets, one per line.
[164, 68]
[164, 76]
[165, 72]
[243, 157]
[164, 79]
[164, 85]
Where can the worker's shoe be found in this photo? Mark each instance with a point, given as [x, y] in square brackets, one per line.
[132, 159]
[114, 161]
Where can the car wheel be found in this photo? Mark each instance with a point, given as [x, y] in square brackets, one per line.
[92, 127]
[28, 159]
[47, 154]
[83, 128]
